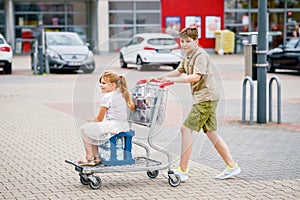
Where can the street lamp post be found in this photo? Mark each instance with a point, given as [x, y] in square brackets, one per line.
[40, 44]
[262, 62]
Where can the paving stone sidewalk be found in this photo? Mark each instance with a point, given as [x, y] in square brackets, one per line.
[36, 139]
[37, 136]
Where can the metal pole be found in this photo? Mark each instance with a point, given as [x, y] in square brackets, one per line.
[40, 45]
[35, 59]
[278, 99]
[262, 62]
[284, 22]
[247, 79]
[249, 16]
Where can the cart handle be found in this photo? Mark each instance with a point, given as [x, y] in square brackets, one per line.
[163, 85]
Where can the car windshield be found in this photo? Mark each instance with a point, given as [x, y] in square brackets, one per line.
[291, 44]
[162, 41]
[1, 41]
[63, 40]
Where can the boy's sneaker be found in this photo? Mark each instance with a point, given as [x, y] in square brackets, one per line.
[183, 175]
[229, 172]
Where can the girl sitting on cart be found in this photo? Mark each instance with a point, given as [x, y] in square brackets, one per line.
[112, 117]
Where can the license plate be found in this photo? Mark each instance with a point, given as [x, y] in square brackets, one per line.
[163, 50]
[72, 63]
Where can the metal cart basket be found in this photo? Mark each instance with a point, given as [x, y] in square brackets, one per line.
[150, 100]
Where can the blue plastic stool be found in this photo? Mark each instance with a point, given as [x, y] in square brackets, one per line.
[114, 152]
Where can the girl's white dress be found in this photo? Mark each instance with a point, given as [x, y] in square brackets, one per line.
[115, 120]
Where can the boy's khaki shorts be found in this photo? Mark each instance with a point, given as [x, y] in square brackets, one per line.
[202, 115]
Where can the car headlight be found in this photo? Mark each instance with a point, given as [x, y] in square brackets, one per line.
[90, 54]
[53, 55]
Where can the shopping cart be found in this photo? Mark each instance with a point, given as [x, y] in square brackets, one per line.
[150, 99]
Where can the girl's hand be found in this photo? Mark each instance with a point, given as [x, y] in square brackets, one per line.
[132, 106]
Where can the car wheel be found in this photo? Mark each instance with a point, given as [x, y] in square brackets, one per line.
[139, 63]
[122, 61]
[8, 69]
[271, 68]
[89, 70]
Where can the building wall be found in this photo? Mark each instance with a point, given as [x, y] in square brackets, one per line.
[194, 8]
[102, 45]
[98, 18]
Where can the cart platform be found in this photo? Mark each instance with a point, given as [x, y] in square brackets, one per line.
[141, 164]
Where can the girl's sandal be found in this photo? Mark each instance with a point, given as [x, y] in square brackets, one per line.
[97, 159]
[87, 162]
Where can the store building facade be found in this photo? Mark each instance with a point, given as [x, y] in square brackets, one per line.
[107, 25]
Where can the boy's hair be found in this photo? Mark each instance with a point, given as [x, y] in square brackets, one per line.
[121, 84]
[189, 32]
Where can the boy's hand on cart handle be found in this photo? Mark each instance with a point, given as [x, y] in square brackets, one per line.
[153, 79]
[166, 81]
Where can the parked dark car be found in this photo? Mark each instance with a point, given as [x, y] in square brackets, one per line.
[285, 57]
[66, 51]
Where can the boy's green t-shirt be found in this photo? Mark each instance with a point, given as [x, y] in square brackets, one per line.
[199, 63]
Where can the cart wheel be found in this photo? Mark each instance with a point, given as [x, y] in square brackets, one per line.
[152, 174]
[97, 184]
[84, 181]
[174, 183]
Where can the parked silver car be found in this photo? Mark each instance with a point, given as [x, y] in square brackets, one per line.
[66, 51]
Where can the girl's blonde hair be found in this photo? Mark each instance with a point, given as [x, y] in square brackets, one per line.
[121, 84]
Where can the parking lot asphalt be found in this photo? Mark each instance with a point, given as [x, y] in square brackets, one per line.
[40, 116]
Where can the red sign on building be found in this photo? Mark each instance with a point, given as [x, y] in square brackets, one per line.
[208, 16]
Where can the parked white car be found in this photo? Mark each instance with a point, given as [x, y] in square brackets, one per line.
[151, 49]
[6, 55]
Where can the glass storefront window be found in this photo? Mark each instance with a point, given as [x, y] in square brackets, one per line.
[54, 15]
[127, 18]
[277, 3]
[151, 29]
[147, 6]
[147, 18]
[121, 32]
[2, 23]
[127, 5]
[293, 4]
[120, 18]
[234, 4]
[52, 7]
[2, 18]
[236, 17]
[53, 19]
